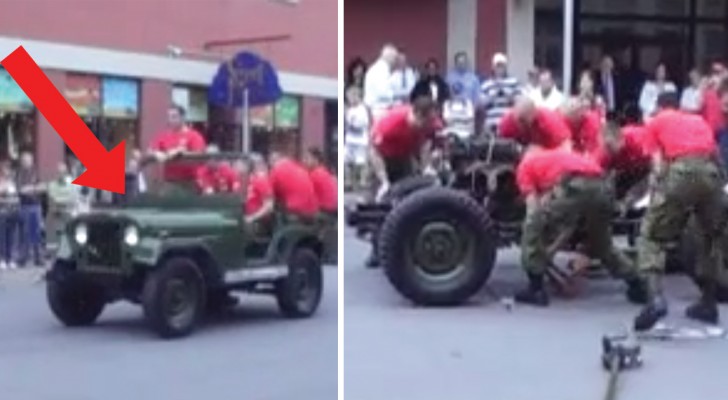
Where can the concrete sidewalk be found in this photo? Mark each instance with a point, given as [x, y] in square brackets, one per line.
[21, 276]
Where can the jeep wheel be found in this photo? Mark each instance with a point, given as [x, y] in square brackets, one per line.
[407, 186]
[174, 297]
[437, 247]
[299, 293]
[73, 302]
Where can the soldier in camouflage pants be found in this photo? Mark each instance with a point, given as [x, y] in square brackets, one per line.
[687, 180]
[564, 189]
[573, 201]
[689, 186]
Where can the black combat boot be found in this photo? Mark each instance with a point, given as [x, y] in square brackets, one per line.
[656, 307]
[637, 292]
[706, 309]
[373, 260]
[535, 294]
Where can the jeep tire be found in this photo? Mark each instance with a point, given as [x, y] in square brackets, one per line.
[174, 297]
[299, 294]
[74, 302]
[438, 247]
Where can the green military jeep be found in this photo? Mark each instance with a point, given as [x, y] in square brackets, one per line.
[179, 254]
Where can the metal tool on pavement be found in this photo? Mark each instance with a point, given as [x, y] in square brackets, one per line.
[619, 353]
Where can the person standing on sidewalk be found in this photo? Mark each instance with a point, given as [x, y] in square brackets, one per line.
[8, 216]
[31, 215]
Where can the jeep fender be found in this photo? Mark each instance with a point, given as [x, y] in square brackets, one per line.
[289, 238]
[191, 247]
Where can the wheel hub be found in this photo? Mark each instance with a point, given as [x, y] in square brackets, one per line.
[438, 248]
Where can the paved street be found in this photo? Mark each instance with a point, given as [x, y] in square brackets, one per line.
[482, 351]
[254, 354]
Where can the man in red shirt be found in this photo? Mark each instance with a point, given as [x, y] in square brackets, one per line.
[564, 189]
[534, 126]
[586, 128]
[686, 180]
[292, 186]
[179, 138]
[324, 182]
[401, 138]
[259, 202]
[628, 158]
[217, 177]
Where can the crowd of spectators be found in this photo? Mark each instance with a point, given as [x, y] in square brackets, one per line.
[474, 102]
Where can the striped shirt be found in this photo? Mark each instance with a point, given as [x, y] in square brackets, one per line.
[498, 96]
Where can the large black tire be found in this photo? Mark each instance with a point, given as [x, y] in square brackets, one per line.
[174, 297]
[74, 302]
[405, 187]
[444, 227]
[299, 294]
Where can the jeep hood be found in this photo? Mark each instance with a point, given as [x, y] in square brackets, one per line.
[165, 219]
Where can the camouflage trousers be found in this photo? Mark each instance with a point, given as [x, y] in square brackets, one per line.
[689, 187]
[576, 203]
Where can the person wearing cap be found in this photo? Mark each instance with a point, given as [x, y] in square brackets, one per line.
[498, 94]
[686, 181]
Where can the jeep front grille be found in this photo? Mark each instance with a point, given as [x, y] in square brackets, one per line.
[104, 246]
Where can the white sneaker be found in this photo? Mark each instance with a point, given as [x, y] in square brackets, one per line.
[12, 265]
[3, 265]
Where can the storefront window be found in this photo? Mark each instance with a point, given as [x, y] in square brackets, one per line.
[668, 8]
[120, 99]
[194, 101]
[17, 119]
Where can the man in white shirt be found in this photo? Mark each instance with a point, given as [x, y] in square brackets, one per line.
[378, 94]
[402, 80]
[547, 95]
[690, 100]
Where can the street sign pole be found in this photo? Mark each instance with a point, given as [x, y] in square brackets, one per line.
[246, 122]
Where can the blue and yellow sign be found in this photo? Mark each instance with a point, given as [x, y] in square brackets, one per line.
[245, 71]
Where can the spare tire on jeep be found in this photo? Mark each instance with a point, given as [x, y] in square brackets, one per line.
[406, 186]
[438, 247]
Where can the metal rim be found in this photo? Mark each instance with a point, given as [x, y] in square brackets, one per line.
[440, 249]
[179, 302]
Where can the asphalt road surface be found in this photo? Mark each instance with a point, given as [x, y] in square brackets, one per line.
[252, 354]
[481, 351]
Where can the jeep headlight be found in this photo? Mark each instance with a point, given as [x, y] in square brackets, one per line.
[81, 234]
[131, 235]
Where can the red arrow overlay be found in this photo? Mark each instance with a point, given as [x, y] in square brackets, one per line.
[104, 170]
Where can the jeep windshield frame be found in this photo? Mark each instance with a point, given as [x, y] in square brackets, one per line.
[181, 192]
